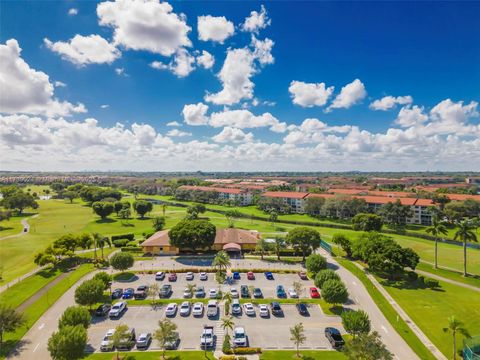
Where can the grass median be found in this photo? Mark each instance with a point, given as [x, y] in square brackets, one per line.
[306, 355]
[155, 355]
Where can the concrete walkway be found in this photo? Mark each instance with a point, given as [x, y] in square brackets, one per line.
[25, 225]
[450, 281]
[417, 331]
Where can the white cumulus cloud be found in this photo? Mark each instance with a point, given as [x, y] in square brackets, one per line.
[214, 28]
[310, 94]
[178, 133]
[388, 102]
[410, 116]
[256, 21]
[205, 59]
[229, 134]
[195, 114]
[350, 95]
[182, 64]
[72, 11]
[243, 119]
[262, 50]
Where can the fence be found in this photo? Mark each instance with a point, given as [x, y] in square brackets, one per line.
[471, 348]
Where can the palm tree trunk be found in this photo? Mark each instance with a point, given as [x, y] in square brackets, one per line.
[465, 258]
[436, 252]
[102, 252]
[454, 346]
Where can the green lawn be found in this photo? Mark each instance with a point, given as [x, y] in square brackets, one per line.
[389, 312]
[155, 355]
[12, 226]
[452, 275]
[306, 355]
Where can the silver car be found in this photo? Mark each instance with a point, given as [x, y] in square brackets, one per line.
[185, 308]
[171, 309]
[144, 340]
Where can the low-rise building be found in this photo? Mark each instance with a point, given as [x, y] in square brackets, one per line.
[295, 200]
[242, 197]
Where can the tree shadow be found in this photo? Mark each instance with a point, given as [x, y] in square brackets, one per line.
[2, 228]
[105, 221]
[409, 285]
[336, 310]
[13, 347]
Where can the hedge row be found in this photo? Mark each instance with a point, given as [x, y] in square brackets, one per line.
[245, 351]
[132, 249]
[129, 236]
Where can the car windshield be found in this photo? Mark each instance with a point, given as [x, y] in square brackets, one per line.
[239, 335]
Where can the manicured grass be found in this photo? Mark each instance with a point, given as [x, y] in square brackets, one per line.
[389, 312]
[13, 226]
[155, 355]
[449, 274]
[306, 355]
[125, 276]
[430, 310]
[34, 311]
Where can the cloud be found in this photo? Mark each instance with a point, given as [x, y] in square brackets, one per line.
[145, 25]
[178, 133]
[104, 106]
[312, 130]
[214, 28]
[262, 50]
[388, 102]
[174, 123]
[72, 11]
[121, 72]
[449, 117]
[256, 21]
[229, 134]
[309, 94]
[59, 84]
[409, 116]
[182, 64]
[243, 119]
[195, 114]
[206, 60]
[350, 95]
[29, 91]
[84, 50]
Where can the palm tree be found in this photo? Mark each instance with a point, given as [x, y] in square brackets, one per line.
[273, 217]
[436, 229]
[164, 209]
[298, 336]
[279, 246]
[227, 296]
[455, 326]
[227, 324]
[261, 247]
[221, 261]
[465, 233]
[101, 241]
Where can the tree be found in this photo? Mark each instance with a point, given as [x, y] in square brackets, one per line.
[325, 275]
[313, 205]
[194, 210]
[192, 234]
[165, 334]
[334, 292]
[261, 247]
[315, 263]
[120, 337]
[102, 209]
[279, 245]
[101, 241]
[89, 293]
[222, 263]
[68, 343]
[227, 324]
[436, 229]
[367, 347]
[122, 261]
[10, 321]
[152, 292]
[158, 223]
[232, 216]
[465, 233]
[344, 242]
[84, 241]
[117, 206]
[69, 195]
[73, 316]
[356, 322]
[299, 289]
[19, 201]
[142, 207]
[304, 239]
[298, 337]
[273, 217]
[104, 278]
[227, 298]
[455, 326]
[367, 222]
[68, 243]
[395, 214]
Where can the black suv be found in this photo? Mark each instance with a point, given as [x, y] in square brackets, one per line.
[244, 293]
[165, 291]
[103, 310]
[276, 309]
[334, 337]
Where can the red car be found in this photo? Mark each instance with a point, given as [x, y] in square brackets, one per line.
[303, 275]
[172, 277]
[250, 276]
[314, 292]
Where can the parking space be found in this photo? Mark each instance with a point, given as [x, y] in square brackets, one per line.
[268, 287]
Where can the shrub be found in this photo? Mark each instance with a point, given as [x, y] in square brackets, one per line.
[131, 243]
[120, 242]
[122, 261]
[431, 283]
[421, 280]
[325, 275]
[245, 351]
[315, 263]
[334, 292]
[412, 276]
[132, 249]
[226, 347]
[129, 236]
[148, 234]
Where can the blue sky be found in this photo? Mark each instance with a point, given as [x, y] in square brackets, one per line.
[426, 55]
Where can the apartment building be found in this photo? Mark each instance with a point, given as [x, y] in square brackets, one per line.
[243, 197]
[296, 200]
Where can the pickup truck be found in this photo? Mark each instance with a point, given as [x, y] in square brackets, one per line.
[207, 338]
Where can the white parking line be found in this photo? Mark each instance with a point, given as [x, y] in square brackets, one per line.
[36, 347]
[41, 326]
[385, 329]
[354, 283]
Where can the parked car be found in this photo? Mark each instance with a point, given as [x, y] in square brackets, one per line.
[172, 277]
[257, 293]
[185, 308]
[117, 294]
[250, 276]
[171, 309]
[303, 275]
[129, 342]
[200, 292]
[165, 291]
[213, 293]
[249, 309]
[187, 293]
[212, 308]
[207, 339]
[269, 275]
[107, 343]
[281, 291]
[239, 337]
[144, 341]
[189, 276]
[173, 344]
[302, 309]
[276, 309]
[128, 293]
[103, 310]
[234, 293]
[160, 276]
[197, 309]
[236, 307]
[244, 293]
[117, 309]
[203, 276]
[314, 293]
[334, 337]
[292, 293]
[141, 292]
[263, 310]
[236, 275]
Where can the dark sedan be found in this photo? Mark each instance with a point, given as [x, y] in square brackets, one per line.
[302, 309]
[334, 337]
[117, 293]
[103, 310]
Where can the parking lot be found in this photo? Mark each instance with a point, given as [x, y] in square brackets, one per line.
[267, 333]
[268, 287]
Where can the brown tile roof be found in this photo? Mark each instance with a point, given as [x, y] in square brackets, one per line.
[212, 188]
[160, 238]
[285, 194]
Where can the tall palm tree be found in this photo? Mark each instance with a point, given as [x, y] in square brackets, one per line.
[100, 241]
[227, 324]
[279, 246]
[436, 229]
[262, 246]
[227, 297]
[298, 336]
[465, 233]
[221, 261]
[455, 326]
[164, 209]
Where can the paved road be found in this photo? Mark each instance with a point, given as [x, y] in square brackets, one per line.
[25, 225]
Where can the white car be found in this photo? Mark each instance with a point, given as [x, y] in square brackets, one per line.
[239, 337]
[212, 308]
[203, 276]
[197, 309]
[263, 310]
[160, 275]
[189, 275]
[187, 293]
[292, 293]
[213, 293]
[236, 307]
[171, 309]
[117, 309]
[107, 343]
[249, 309]
[234, 293]
[185, 308]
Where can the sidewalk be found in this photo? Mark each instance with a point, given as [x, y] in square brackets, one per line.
[450, 281]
